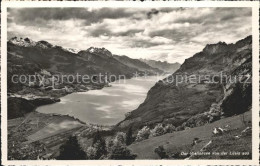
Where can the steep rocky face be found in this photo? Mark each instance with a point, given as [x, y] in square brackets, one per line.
[220, 47]
[138, 64]
[164, 66]
[187, 103]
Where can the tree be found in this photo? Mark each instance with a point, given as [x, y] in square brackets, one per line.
[120, 152]
[129, 136]
[157, 131]
[100, 145]
[143, 134]
[120, 138]
[71, 150]
[169, 128]
[239, 101]
[161, 152]
[91, 153]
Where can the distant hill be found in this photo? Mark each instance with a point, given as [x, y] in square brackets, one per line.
[138, 64]
[165, 66]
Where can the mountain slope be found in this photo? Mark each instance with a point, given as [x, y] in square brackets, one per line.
[104, 59]
[180, 141]
[185, 103]
[164, 66]
[138, 64]
[26, 56]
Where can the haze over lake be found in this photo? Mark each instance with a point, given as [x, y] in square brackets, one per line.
[106, 106]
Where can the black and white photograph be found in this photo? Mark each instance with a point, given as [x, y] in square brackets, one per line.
[129, 83]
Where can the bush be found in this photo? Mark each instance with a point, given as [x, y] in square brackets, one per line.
[129, 136]
[71, 150]
[157, 131]
[179, 128]
[120, 152]
[239, 101]
[120, 138]
[91, 153]
[109, 144]
[169, 128]
[161, 152]
[100, 145]
[143, 134]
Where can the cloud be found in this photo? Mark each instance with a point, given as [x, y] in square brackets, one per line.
[152, 12]
[90, 15]
[171, 34]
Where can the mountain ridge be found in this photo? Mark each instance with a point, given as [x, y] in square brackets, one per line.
[90, 55]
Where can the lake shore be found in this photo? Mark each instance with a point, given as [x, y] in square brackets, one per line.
[106, 106]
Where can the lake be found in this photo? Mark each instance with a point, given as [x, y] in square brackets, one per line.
[106, 106]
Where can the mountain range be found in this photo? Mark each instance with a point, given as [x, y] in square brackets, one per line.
[27, 57]
[68, 61]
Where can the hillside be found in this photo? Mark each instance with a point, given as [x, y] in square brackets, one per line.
[138, 64]
[181, 141]
[164, 66]
[188, 103]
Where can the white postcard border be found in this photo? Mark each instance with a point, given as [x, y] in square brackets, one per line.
[255, 106]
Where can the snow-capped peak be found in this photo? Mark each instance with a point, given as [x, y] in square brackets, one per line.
[92, 49]
[100, 51]
[72, 50]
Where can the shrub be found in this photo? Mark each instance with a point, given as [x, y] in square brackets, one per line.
[157, 131]
[120, 152]
[143, 134]
[109, 144]
[169, 128]
[161, 152]
[71, 150]
[100, 145]
[179, 128]
[91, 153]
[129, 136]
[239, 101]
[120, 138]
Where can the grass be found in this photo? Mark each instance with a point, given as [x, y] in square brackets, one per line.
[181, 140]
[235, 148]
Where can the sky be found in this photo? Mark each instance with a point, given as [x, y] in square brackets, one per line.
[166, 34]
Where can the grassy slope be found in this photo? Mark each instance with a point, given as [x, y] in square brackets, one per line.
[183, 139]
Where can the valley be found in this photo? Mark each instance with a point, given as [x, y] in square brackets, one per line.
[158, 114]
